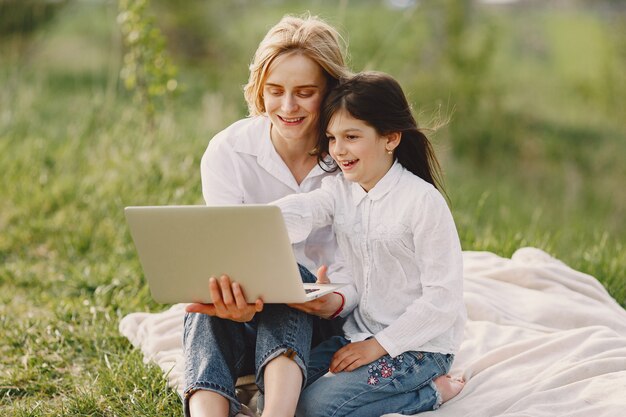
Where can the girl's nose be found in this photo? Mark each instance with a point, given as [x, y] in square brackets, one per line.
[338, 148]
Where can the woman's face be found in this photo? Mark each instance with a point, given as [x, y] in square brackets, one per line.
[293, 93]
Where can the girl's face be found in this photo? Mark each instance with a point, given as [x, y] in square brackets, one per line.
[293, 93]
[361, 153]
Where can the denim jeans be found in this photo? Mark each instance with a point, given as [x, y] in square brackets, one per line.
[218, 351]
[402, 385]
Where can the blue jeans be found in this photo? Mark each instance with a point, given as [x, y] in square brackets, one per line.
[402, 385]
[218, 351]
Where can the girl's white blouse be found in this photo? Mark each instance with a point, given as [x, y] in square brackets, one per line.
[403, 250]
[241, 166]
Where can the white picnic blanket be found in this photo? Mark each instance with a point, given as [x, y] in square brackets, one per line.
[541, 340]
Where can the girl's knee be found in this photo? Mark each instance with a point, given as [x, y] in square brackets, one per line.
[309, 406]
[320, 399]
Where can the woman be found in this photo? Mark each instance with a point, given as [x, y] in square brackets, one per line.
[257, 160]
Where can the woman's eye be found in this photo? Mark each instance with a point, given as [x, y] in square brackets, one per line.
[275, 92]
[352, 137]
[330, 138]
[305, 94]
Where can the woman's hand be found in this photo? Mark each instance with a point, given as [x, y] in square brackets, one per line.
[355, 355]
[324, 306]
[229, 302]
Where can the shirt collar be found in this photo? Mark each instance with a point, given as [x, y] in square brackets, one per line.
[258, 143]
[382, 187]
[255, 139]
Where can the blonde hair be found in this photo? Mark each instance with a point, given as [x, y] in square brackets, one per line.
[308, 35]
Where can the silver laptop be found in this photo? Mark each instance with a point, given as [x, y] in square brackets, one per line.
[181, 247]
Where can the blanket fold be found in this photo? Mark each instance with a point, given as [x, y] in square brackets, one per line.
[542, 339]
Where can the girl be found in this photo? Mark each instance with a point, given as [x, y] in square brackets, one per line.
[405, 303]
[257, 160]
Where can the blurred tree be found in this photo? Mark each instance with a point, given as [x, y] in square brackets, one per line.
[19, 22]
[25, 16]
[468, 42]
[147, 69]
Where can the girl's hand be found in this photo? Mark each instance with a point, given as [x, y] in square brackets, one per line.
[229, 302]
[326, 305]
[354, 355]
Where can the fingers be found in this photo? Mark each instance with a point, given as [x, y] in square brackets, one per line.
[322, 278]
[345, 361]
[240, 304]
[338, 358]
[355, 355]
[355, 364]
[229, 301]
[227, 291]
[216, 293]
[208, 309]
[314, 307]
[324, 306]
[240, 299]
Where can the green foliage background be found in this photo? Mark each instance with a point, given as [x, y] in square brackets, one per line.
[534, 94]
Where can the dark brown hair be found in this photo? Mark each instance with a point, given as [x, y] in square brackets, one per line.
[378, 100]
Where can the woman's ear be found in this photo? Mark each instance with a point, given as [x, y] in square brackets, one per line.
[393, 140]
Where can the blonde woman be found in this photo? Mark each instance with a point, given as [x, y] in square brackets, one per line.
[258, 160]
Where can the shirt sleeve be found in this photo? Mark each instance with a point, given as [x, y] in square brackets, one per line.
[218, 170]
[440, 262]
[339, 273]
[306, 212]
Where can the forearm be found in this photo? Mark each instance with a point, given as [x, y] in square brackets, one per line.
[304, 213]
[325, 307]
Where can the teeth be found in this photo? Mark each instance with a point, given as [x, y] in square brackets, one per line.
[295, 119]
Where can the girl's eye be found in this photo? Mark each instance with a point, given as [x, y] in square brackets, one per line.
[275, 92]
[351, 137]
[330, 138]
[305, 94]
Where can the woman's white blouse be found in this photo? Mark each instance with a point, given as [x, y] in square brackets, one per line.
[401, 244]
[241, 166]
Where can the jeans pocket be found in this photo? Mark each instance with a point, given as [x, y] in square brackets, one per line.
[443, 361]
[418, 357]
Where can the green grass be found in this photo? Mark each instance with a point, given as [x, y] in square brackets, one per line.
[74, 151]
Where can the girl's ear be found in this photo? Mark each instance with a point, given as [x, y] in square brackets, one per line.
[393, 140]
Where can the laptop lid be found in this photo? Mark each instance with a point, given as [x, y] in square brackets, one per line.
[181, 247]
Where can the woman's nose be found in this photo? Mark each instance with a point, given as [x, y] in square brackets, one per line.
[289, 104]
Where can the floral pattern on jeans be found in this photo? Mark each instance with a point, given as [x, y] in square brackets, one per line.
[383, 368]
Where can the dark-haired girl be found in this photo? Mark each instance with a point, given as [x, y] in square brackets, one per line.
[404, 307]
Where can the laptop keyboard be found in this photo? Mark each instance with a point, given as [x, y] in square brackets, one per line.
[310, 290]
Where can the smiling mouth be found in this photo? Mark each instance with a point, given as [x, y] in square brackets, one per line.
[348, 163]
[291, 120]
